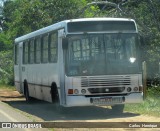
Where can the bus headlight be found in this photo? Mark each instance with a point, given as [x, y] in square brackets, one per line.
[129, 89]
[83, 91]
[135, 89]
[76, 91]
[132, 59]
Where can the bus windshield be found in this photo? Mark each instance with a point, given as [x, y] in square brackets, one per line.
[102, 54]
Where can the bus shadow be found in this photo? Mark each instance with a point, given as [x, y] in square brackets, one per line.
[51, 112]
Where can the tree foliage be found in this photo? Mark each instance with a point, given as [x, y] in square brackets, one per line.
[6, 67]
[23, 16]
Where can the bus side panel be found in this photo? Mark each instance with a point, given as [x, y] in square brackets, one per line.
[39, 78]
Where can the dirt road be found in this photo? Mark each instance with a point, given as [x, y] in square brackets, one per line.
[43, 111]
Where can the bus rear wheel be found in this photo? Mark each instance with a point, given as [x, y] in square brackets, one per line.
[26, 92]
[117, 109]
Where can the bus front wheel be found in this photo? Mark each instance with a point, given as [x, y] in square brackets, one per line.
[117, 109]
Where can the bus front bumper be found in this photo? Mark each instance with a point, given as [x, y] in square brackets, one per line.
[103, 100]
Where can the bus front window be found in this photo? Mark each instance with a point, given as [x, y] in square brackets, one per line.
[102, 54]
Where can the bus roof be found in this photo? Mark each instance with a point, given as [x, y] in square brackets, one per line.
[63, 24]
[100, 19]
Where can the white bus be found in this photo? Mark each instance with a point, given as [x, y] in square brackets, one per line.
[81, 62]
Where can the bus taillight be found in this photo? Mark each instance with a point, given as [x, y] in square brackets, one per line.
[70, 91]
[141, 88]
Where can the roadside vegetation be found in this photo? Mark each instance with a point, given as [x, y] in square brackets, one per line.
[150, 106]
[7, 87]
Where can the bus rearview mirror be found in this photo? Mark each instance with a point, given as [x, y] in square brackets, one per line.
[141, 41]
[65, 43]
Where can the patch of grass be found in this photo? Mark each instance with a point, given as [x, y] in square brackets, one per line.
[151, 105]
[8, 87]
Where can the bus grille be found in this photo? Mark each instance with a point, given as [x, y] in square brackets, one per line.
[106, 90]
[105, 81]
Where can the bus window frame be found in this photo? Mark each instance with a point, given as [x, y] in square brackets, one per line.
[26, 42]
[42, 48]
[29, 51]
[40, 51]
[51, 60]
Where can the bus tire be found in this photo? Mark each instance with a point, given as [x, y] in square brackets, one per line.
[26, 92]
[117, 109]
[54, 93]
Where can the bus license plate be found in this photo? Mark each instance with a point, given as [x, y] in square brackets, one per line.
[107, 100]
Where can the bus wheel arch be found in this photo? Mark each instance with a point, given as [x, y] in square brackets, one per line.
[54, 93]
[26, 91]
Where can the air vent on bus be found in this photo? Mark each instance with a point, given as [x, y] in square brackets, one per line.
[105, 81]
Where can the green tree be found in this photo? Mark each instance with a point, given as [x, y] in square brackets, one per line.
[6, 67]
[24, 16]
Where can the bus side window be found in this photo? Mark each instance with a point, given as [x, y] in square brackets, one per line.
[45, 49]
[16, 55]
[31, 51]
[25, 53]
[53, 47]
[38, 50]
